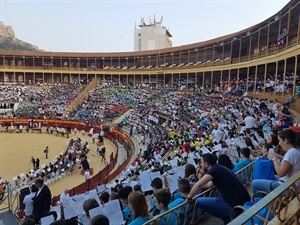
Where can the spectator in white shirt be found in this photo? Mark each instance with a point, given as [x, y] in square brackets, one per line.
[65, 197]
[27, 201]
[217, 134]
[250, 122]
[87, 174]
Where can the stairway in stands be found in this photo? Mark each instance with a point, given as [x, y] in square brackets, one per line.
[8, 218]
[119, 119]
[77, 101]
[8, 206]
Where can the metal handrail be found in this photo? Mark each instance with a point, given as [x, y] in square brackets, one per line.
[11, 199]
[277, 202]
[244, 175]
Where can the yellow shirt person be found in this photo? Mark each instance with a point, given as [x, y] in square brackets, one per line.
[172, 134]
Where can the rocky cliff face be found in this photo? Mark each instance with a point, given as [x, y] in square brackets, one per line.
[8, 40]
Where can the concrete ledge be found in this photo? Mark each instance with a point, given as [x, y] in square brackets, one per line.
[295, 114]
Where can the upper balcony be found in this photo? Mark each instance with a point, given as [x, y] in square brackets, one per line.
[277, 34]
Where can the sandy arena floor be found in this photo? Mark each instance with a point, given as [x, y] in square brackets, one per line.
[17, 149]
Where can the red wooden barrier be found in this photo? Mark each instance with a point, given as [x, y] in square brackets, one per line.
[108, 173]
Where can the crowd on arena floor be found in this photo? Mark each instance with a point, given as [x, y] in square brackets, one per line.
[67, 162]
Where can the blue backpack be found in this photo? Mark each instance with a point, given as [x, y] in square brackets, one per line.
[263, 212]
[263, 169]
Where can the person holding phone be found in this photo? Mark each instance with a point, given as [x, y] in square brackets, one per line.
[287, 167]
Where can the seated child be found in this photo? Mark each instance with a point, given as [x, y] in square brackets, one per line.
[162, 200]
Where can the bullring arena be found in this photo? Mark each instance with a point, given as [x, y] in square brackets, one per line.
[164, 109]
[25, 145]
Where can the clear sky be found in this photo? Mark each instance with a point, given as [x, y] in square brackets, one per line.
[108, 25]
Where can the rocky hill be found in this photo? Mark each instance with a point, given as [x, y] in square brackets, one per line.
[8, 40]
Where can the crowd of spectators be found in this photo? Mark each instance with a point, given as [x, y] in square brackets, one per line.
[105, 103]
[44, 101]
[111, 99]
[273, 84]
[176, 129]
[191, 137]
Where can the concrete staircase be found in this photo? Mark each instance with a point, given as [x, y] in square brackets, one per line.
[77, 101]
[8, 218]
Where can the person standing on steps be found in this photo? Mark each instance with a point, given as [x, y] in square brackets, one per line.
[27, 200]
[41, 202]
[46, 151]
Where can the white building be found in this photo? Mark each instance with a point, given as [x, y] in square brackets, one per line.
[151, 36]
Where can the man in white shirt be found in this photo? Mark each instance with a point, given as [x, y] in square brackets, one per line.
[157, 157]
[27, 201]
[250, 122]
[217, 134]
[91, 132]
[87, 174]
